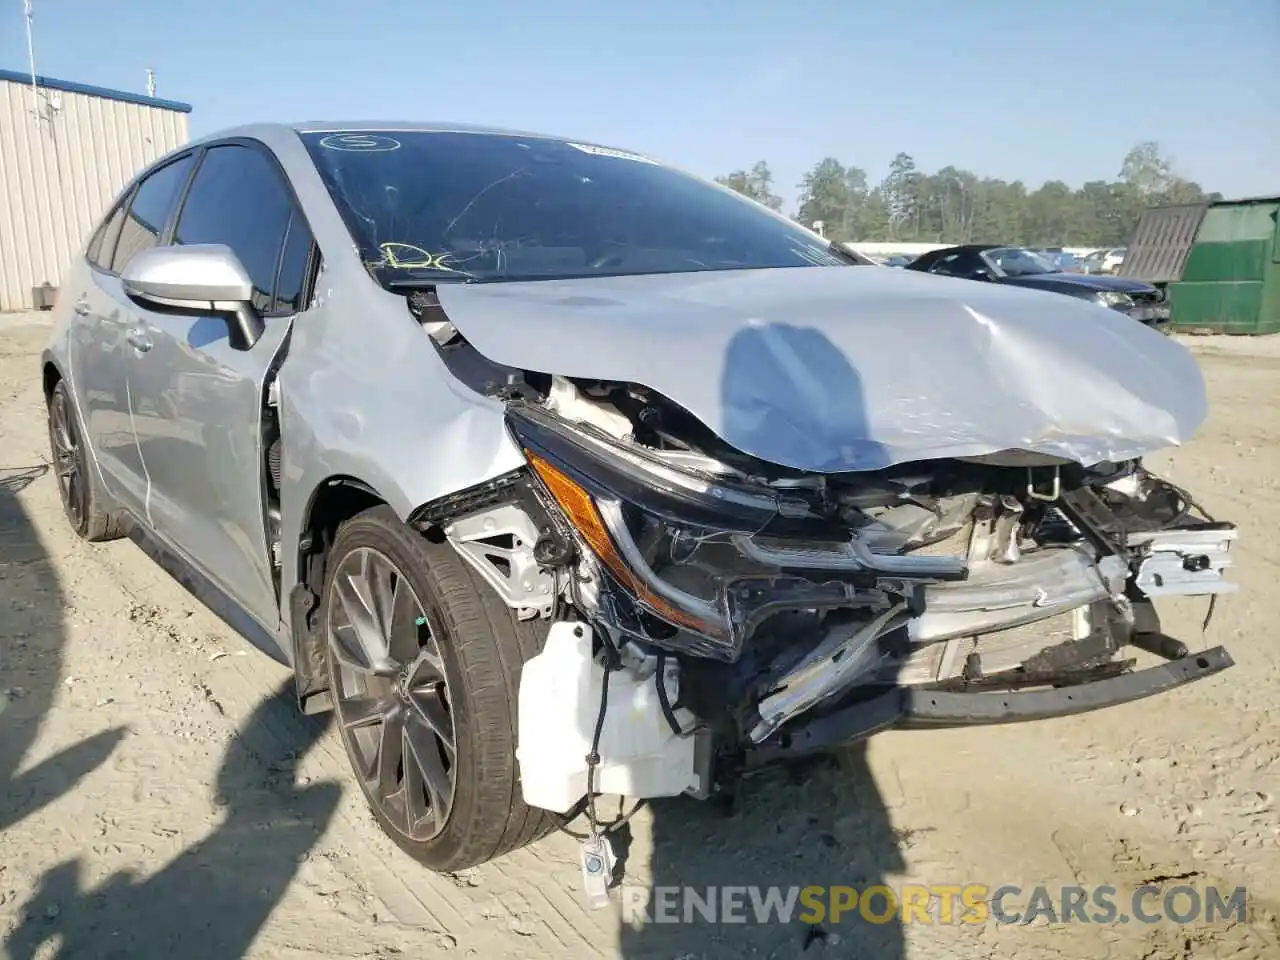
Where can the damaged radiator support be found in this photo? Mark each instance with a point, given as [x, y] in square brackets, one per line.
[1004, 588]
[1007, 587]
[998, 596]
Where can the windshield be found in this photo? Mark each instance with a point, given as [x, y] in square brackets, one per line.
[438, 206]
[1019, 262]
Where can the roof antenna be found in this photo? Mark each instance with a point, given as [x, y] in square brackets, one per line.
[151, 81]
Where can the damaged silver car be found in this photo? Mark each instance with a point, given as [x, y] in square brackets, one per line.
[553, 471]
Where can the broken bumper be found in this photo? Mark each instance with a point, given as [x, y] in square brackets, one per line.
[920, 707]
[1152, 316]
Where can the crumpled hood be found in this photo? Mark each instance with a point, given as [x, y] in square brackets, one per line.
[853, 368]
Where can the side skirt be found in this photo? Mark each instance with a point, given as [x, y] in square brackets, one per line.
[205, 590]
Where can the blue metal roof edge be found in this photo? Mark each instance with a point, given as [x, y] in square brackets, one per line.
[69, 86]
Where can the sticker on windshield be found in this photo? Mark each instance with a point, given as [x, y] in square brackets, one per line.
[611, 152]
[359, 142]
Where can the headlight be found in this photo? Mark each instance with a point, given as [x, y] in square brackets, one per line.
[1115, 299]
[707, 557]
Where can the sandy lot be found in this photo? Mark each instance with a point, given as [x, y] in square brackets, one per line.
[161, 799]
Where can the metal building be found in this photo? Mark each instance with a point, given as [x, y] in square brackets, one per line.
[66, 150]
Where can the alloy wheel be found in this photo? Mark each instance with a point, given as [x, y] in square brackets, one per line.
[393, 699]
[66, 456]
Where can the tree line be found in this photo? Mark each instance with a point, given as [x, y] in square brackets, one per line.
[956, 206]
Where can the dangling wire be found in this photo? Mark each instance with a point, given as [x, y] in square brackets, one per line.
[588, 803]
[1208, 615]
[593, 758]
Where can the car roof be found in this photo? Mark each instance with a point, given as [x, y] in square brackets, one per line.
[272, 131]
[959, 248]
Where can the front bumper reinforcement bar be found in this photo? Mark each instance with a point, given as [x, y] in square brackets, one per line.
[921, 707]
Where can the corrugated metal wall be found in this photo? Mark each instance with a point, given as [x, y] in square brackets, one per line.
[1158, 250]
[1231, 283]
[57, 179]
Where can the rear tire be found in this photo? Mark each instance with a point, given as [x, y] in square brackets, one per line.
[86, 505]
[418, 646]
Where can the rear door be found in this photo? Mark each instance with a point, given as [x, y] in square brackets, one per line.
[102, 356]
[97, 364]
[202, 440]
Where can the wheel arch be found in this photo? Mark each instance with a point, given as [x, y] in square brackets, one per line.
[334, 500]
[331, 502]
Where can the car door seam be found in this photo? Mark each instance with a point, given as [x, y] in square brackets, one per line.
[146, 474]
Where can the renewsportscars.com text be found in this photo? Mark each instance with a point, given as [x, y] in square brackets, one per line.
[973, 903]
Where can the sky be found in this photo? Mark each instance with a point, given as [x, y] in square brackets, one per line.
[1033, 90]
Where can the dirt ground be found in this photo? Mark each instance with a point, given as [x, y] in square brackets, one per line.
[161, 799]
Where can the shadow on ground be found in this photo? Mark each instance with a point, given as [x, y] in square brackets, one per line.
[820, 824]
[817, 824]
[213, 898]
[31, 655]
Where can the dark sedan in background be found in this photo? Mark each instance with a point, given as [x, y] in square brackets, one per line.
[1021, 267]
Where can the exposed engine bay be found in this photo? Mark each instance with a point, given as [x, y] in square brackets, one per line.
[708, 608]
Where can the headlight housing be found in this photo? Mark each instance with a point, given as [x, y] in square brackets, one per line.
[708, 558]
[1114, 299]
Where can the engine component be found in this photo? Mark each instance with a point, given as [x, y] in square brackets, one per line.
[565, 399]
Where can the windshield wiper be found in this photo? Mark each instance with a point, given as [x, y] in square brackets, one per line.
[444, 276]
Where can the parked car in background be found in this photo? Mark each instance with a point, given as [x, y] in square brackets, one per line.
[1112, 259]
[897, 260]
[1020, 267]
[554, 471]
[1059, 259]
[1104, 261]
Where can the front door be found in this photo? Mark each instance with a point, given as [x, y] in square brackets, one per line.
[198, 401]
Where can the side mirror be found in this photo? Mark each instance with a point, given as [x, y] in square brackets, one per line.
[982, 273]
[197, 278]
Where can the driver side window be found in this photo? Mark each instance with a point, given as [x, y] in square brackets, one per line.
[239, 199]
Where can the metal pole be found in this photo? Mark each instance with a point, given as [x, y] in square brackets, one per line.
[42, 175]
[31, 58]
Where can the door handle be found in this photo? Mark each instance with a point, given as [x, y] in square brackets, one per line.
[81, 308]
[138, 339]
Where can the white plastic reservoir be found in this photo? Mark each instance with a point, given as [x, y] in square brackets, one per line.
[640, 756]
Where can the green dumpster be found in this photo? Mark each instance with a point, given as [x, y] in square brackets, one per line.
[1219, 262]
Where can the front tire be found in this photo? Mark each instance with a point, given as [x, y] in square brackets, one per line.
[424, 668]
[84, 503]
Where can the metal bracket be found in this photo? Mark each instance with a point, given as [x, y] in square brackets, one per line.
[499, 544]
[1049, 497]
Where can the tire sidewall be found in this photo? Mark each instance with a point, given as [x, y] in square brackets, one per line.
[371, 530]
[60, 392]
